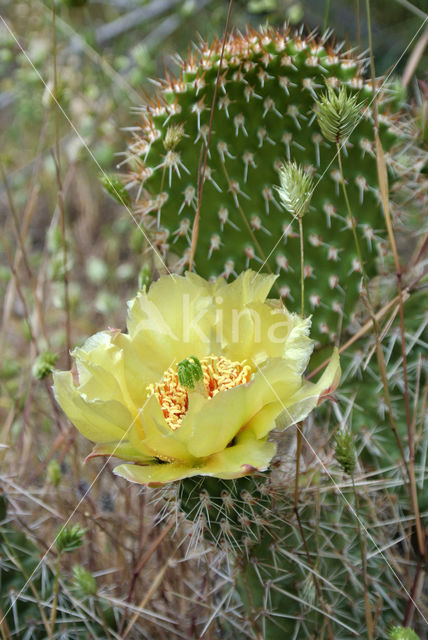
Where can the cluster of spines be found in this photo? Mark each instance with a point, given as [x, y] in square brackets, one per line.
[261, 118]
[289, 577]
[232, 514]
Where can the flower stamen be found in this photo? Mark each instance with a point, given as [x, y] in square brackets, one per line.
[219, 374]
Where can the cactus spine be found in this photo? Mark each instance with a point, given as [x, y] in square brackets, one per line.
[264, 115]
[298, 574]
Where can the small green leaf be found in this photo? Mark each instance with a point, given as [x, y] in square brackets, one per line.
[69, 538]
[345, 451]
[53, 473]
[190, 372]
[113, 185]
[44, 365]
[337, 114]
[402, 633]
[84, 581]
[296, 189]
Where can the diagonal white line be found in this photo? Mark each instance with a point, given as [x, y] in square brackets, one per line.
[153, 248]
[412, 8]
[18, 595]
[125, 433]
[376, 92]
[49, 90]
[350, 507]
[91, 53]
[172, 275]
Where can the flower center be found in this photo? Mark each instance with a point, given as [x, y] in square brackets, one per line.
[219, 374]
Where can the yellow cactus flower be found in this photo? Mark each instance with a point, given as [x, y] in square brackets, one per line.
[206, 371]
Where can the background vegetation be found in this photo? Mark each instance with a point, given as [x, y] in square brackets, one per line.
[70, 256]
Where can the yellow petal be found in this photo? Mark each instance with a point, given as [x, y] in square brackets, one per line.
[212, 425]
[156, 437]
[264, 421]
[298, 347]
[239, 327]
[248, 287]
[96, 361]
[330, 379]
[308, 396]
[155, 348]
[205, 286]
[97, 420]
[233, 462]
[154, 474]
[138, 372]
[268, 330]
[240, 459]
[177, 312]
[123, 450]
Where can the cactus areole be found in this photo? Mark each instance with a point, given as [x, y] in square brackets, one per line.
[264, 114]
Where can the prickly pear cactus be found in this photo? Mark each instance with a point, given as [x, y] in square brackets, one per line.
[264, 115]
[292, 579]
[362, 392]
[292, 582]
[297, 578]
[295, 586]
[231, 514]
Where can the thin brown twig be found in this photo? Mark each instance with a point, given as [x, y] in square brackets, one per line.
[10, 292]
[27, 317]
[314, 578]
[415, 58]
[19, 290]
[147, 555]
[156, 583]
[420, 426]
[383, 188]
[420, 252]
[57, 160]
[27, 216]
[411, 601]
[298, 455]
[23, 250]
[5, 631]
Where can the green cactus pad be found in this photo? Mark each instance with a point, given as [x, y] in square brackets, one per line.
[253, 520]
[264, 114]
[232, 514]
[361, 392]
[276, 578]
